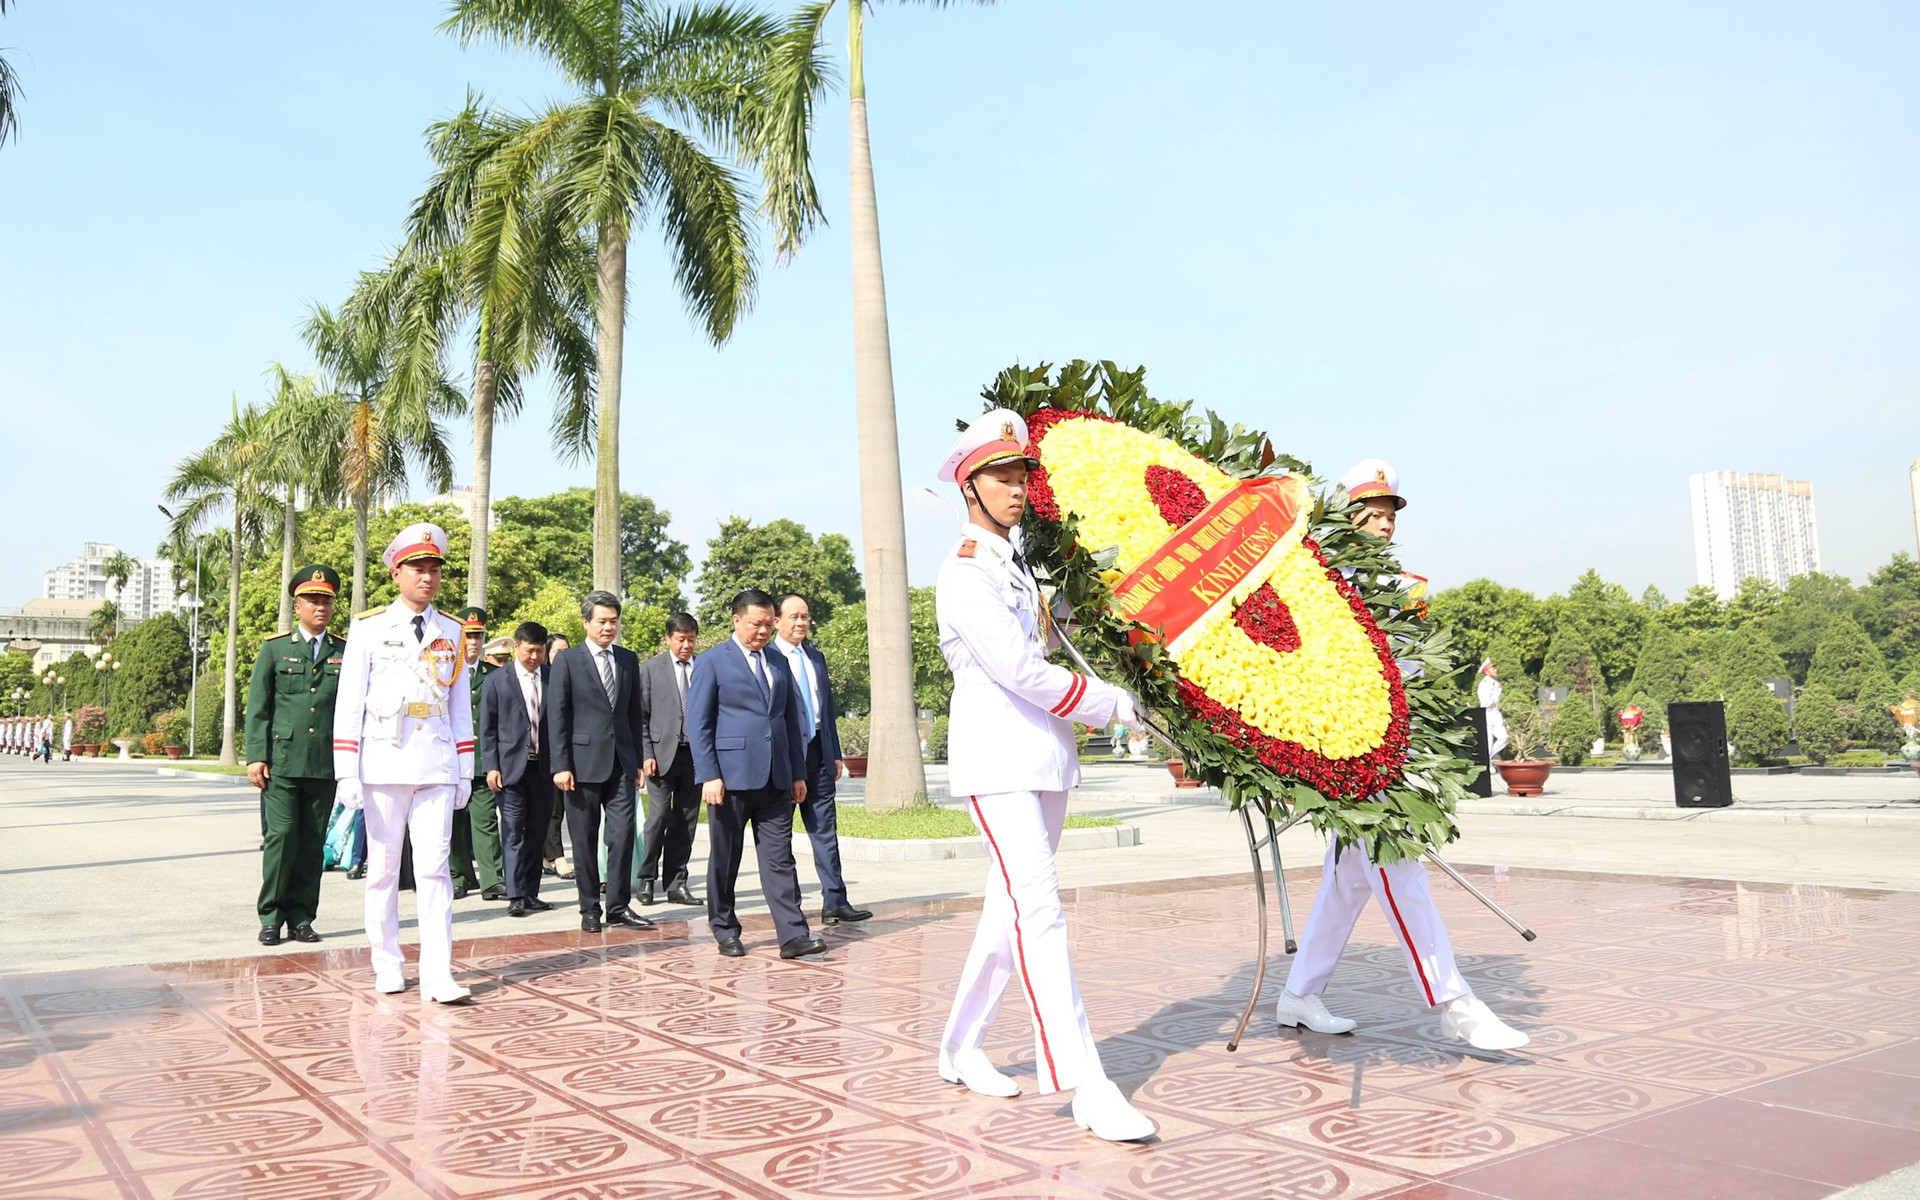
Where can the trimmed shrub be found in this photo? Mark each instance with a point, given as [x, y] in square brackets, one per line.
[1818, 725]
[1574, 728]
[1755, 723]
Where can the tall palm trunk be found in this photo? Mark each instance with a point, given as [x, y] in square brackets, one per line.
[486, 381]
[610, 330]
[229, 699]
[287, 526]
[361, 502]
[895, 773]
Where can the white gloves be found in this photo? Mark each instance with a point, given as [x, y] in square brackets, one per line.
[462, 792]
[347, 793]
[1123, 712]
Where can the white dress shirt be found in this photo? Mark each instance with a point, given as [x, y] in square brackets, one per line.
[803, 672]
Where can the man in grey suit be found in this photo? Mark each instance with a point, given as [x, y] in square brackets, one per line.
[673, 798]
[593, 712]
[750, 760]
[813, 693]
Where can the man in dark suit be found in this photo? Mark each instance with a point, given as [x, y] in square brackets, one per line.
[593, 712]
[673, 798]
[750, 760]
[514, 753]
[813, 695]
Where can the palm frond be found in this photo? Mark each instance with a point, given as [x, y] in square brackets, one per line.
[780, 122]
[582, 37]
[705, 220]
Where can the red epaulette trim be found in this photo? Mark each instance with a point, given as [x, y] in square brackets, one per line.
[1071, 700]
[967, 548]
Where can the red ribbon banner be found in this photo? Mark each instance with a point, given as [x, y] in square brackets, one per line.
[1209, 556]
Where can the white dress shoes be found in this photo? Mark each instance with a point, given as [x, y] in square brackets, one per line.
[387, 985]
[1100, 1109]
[971, 1068]
[1311, 1012]
[1470, 1020]
[447, 992]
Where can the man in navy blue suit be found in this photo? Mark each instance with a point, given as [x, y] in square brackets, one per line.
[813, 696]
[515, 755]
[749, 757]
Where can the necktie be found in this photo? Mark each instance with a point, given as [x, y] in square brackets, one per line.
[681, 677]
[760, 673]
[805, 681]
[316, 652]
[606, 673]
[533, 714]
[420, 627]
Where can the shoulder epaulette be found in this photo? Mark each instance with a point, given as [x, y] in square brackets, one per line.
[281, 634]
[967, 548]
[372, 612]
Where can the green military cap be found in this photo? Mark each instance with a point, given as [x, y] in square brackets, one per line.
[473, 619]
[315, 580]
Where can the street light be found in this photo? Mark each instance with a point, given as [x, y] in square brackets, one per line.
[106, 665]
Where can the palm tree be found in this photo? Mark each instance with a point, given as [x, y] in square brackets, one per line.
[525, 275]
[895, 774]
[118, 568]
[231, 474]
[307, 431]
[10, 94]
[388, 417]
[103, 623]
[656, 87]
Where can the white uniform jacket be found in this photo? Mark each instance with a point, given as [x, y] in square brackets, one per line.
[395, 721]
[1009, 725]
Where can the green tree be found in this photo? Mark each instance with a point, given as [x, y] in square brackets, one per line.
[1475, 611]
[779, 556]
[1570, 663]
[557, 528]
[1654, 600]
[1818, 724]
[1574, 728]
[1843, 657]
[1611, 621]
[118, 568]
[1756, 601]
[1811, 600]
[388, 418]
[653, 87]
[1756, 724]
[519, 275]
[102, 622]
[1699, 611]
[305, 434]
[228, 474]
[1870, 719]
[16, 671]
[842, 641]
[1889, 610]
[1747, 653]
[154, 676]
[1507, 665]
[556, 606]
[1659, 674]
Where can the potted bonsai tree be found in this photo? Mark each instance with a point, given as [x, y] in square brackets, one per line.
[1526, 766]
[853, 745]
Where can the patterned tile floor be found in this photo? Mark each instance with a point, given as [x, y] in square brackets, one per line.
[1691, 1037]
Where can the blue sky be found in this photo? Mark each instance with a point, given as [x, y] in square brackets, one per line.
[1548, 259]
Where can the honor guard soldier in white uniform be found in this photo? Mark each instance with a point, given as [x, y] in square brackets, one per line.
[1348, 878]
[403, 750]
[1011, 752]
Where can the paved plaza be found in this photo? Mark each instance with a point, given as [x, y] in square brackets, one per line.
[1708, 1032]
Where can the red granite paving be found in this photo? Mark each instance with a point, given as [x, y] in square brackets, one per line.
[1692, 1037]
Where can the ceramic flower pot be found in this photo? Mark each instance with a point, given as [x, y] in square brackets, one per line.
[856, 766]
[1178, 769]
[1526, 777]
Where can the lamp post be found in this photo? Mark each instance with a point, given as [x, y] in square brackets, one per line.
[106, 665]
[19, 698]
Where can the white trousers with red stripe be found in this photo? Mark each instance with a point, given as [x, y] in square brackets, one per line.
[393, 812]
[1401, 890]
[1023, 937]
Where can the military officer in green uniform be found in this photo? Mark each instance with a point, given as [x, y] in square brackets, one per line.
[289, 735]
[476, 828]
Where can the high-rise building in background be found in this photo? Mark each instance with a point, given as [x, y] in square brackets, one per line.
[1751, 526]
[1913, 485]
[147, 592]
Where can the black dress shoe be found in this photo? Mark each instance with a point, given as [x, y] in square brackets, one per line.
[497, 892]
[846, 912]
[680, 895]
[732, 948]
[357, 871]
[304, 933]
[459, 891]
[630, 920]
[589, 923]
[646, 892]
[517, 907]
[802, 947]
[536, 904]
[269, 935]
